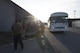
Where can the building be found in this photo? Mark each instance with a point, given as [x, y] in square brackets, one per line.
[74, 22]
[9, 11]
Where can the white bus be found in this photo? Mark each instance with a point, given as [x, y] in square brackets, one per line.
[58, 22]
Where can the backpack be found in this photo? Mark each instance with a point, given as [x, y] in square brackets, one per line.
[23, 25]
[16, 28]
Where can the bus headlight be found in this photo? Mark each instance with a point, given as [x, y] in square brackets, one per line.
[53, 27]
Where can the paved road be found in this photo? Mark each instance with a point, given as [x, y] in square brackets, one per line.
[30, 46]
[67, 42]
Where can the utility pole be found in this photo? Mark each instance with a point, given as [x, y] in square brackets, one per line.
[74, 13]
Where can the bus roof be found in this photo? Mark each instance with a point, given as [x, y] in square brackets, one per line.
[56, 14]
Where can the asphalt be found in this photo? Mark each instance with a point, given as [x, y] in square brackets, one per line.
[30, 46]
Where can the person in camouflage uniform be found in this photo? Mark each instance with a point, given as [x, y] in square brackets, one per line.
[17, 29]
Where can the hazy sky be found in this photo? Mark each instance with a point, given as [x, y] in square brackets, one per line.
[42, 9]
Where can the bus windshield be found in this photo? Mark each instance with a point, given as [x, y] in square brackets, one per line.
[59, 19]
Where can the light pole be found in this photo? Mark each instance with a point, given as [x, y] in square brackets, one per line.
[74, 14]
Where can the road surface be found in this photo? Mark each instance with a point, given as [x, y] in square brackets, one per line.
[67, 42]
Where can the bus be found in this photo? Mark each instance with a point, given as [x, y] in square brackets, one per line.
[58, 21]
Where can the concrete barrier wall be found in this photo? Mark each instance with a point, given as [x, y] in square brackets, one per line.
[76, 24]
